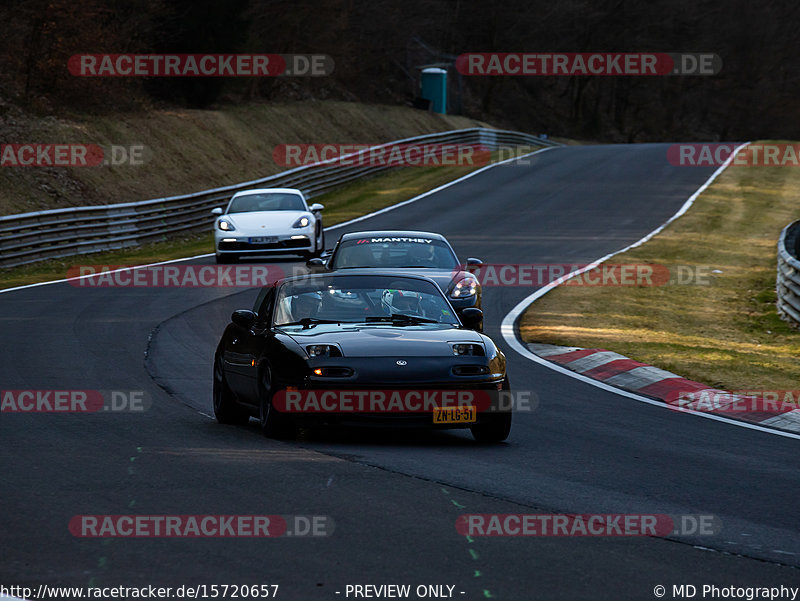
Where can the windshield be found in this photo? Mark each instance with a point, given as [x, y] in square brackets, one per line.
[272, 201]
[360, 299]
[394, 252]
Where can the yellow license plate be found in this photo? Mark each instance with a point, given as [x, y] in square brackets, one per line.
[455, 415]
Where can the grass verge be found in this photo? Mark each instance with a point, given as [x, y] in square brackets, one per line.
[722, 328]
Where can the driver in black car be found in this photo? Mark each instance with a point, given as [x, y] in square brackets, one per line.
[305, 305]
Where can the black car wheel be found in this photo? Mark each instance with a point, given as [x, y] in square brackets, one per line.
[273, 423]
[225, 408]
[495, 427]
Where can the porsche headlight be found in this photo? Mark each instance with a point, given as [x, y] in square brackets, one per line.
[302, 222]
[464, 288]
[225, 225]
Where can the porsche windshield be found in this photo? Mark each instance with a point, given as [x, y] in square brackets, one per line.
[361, 299]
[272, 201]
[394, 252]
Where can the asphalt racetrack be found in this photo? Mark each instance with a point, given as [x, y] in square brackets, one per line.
[394, 496]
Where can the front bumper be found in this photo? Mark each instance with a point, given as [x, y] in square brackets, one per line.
[465, 303]
[297, 243]
[486, 394]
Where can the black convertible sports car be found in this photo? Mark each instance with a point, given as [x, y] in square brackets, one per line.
[360, 347]
[408, 252]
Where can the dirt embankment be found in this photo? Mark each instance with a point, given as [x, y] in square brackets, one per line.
[183, 151]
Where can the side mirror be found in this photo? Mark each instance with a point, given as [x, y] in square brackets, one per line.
[472, 318]
[316, 207]
[243, 318]
[216, 211]
[472, 263]
[315, 264]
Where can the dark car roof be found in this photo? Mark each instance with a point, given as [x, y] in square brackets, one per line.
[393, 234]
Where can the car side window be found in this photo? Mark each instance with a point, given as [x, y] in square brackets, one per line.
[263, 304]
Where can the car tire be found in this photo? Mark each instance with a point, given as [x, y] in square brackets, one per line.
[273, 423]
[225, 409]
[227, 259]
[319, 241]
[495, 427]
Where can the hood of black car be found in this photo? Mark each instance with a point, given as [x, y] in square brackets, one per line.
[376, 340]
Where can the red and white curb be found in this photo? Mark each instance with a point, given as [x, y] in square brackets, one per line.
[658, 390]
[679, 393]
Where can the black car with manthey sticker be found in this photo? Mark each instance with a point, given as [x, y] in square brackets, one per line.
[408, 252]
[360, 347]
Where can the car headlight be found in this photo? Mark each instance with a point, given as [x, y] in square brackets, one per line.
[464, 288]
[225, 225]
[461, 349]
[323, 350]
[302, 222]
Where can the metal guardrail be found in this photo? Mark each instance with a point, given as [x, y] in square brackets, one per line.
[788, 281]
[30, 237]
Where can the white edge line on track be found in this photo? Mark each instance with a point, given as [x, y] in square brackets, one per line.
[509, 331]
[332, 227]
